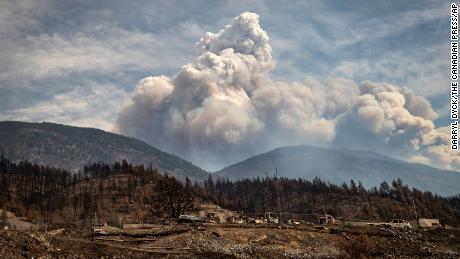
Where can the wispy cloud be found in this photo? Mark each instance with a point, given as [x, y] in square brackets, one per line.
[89, 105]
[60, 58]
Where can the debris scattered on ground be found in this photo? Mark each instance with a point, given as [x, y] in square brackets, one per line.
[235, 241]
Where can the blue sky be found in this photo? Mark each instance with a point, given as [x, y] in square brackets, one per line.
[74, 62]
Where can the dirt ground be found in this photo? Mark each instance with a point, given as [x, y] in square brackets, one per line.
[19, 223]
[234, 241]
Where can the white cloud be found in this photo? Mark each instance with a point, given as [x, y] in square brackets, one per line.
[105, 49]
[425, 72]
[227, 96]
[377, 28]
[223, 106]
[92, 105]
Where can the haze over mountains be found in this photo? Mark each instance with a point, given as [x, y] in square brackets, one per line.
[341, 165]
[73, 147]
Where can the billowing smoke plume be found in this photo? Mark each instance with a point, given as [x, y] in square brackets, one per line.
[223, 107]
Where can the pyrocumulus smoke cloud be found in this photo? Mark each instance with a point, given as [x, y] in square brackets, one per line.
[223, 107]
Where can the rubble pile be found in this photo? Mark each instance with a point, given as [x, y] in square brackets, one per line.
[235, 241]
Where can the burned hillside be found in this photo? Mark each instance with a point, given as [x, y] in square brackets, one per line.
[123, 191]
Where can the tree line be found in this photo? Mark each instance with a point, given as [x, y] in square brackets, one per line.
[348, 200]
[108, 191]
[123, 192]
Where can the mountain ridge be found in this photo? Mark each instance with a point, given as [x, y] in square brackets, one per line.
[338, 165]
[71, 148]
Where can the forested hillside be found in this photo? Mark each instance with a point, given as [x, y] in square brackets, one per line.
[124, 192]
[348, 200]
[71, 148]
[341, 165]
